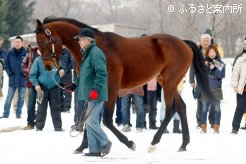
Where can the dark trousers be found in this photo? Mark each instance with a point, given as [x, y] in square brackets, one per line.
[211, 115]
[31, 106]
[118, 119]
[152, 101]
[65, 97]
[50, 95]
[240, 110]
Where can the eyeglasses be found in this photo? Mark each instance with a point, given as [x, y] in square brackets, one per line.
[83, 38]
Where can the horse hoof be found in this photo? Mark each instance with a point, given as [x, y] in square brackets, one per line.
[152, 148]
[80, 149]
[133, 146]
[181, 150]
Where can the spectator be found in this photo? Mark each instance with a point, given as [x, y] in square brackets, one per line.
[216, 69]
[176, 118]
[152, 93]
[67, 65]
[26, 67]
[12, 66]
[238, 83]
[43, 81]
[78, 104]
[137, 96]
[15, 99]
[2, 56]
[118, 119]
[206, 41]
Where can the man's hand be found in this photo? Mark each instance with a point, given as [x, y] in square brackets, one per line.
[235, 90]
[70, 87]
[61, 72]
[93, 95]
[38, 89]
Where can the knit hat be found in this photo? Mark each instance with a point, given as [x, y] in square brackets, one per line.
[207, 34]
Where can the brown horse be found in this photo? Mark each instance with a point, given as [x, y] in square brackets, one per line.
[131, 62]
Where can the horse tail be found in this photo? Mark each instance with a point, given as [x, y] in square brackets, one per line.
[201, 71]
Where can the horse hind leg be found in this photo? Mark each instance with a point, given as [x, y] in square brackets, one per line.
[181, 109]
[157, 137]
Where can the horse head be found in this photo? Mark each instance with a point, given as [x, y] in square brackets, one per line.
[50, 46]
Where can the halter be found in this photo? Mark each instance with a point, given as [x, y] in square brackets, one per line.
[53, 55]
[53, 41]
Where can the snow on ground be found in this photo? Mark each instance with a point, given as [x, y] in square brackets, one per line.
[31, 147]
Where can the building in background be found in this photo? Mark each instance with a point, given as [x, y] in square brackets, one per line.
[124, 30]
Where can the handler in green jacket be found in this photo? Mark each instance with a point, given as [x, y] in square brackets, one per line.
[93, 88]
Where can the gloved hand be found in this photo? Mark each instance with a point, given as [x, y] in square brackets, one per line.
[93, 95]
[70, 87]
[28, 84]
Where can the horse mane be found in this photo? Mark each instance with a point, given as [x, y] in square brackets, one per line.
[50, 19]
[108, 37]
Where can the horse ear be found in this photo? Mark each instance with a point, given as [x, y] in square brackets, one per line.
[39, 26]
[39, 23]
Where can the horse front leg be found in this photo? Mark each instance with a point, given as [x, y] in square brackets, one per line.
[84, 144]
[108, 122]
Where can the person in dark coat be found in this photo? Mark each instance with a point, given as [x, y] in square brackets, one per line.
[17, 79]
[67, 65]
[206, 41]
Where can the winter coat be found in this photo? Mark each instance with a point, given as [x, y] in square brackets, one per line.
[39, 76]
[216, 74]
[12, 66]
[27, 62]
[215, 78]
[67, 66]
[66, 61]
[244, 51]
[238, 78]
[2, 53]
[93, 74]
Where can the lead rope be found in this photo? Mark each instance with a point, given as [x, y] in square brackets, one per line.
[82, 120]
[53, 77]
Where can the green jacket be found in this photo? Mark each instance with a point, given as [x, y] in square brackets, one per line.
[93, 74]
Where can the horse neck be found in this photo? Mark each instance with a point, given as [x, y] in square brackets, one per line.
[68, 40]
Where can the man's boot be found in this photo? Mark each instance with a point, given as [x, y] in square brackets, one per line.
[83, 145]
[216, 128]
[204, 128]
[176, 127]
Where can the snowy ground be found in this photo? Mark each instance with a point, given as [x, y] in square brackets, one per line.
[31, 147]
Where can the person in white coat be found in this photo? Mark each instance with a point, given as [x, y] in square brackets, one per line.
[238, 81]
